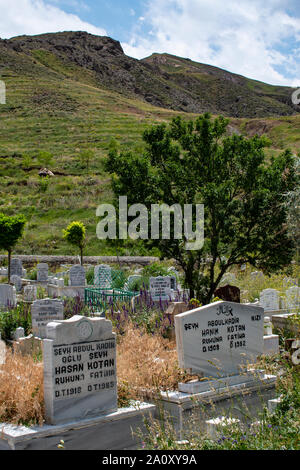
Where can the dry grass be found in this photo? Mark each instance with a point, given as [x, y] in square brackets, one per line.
[147, 364]
[21, 390]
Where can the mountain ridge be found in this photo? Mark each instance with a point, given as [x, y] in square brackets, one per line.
[163, 80]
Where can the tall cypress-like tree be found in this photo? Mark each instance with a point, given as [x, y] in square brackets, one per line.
[242, 190]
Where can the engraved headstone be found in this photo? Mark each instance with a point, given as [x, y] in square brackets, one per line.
[30, 293]
[43, 312]
[17, 282]
[217, 339]
[8, 296]
[160, 288]
[42, 272]
[269, 300]
[77, 276]
[80, 379]
[16, 268]
[102, 276]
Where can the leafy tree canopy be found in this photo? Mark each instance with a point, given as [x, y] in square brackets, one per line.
[197, 162]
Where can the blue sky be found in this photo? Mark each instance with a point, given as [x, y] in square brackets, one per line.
[259, 39]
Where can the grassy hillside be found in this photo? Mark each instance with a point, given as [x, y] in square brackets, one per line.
[62, 108]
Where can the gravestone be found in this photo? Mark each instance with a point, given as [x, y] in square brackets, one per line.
[229, 293]
[2, 351]
[257, 275]
[269, 300]
[42, 272]
[160, 288]
[44, 311]
[17, 282]
[30, 345]
[8, 296]
[217, 339]
[80, 379]
[16, 268]
[77, 276]
[102, 276]
[292, 298]
[19, 333]
[30, 293]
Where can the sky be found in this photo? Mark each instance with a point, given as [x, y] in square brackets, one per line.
[259, 39]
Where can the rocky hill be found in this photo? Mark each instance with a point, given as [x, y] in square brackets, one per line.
[163, 80]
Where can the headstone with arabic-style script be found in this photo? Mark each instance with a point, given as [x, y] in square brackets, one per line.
[217, 339]
[77, 276]
[160, 288]
[42, 272]
[80, 379]
[43, 312]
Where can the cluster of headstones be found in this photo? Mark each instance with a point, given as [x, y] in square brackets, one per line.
[270, 299]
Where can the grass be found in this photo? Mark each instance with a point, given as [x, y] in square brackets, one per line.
[272, 431]
[63, 110]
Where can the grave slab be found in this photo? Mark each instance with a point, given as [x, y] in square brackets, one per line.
[79, 369]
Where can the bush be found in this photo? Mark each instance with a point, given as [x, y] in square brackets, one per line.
[14, 318]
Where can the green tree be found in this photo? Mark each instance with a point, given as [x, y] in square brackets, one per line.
[242, 190]
[75, 235]
[11, 230]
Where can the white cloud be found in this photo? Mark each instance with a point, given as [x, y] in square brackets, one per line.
[247, 37]
[31, 17]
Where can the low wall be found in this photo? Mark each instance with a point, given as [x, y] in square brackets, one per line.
[30, 260]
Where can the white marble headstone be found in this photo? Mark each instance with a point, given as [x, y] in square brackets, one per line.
[17, 282]
[77, 276]
[269, 300]
[80, 379]
[160, 288]
[30, 293]
[217, 339]
[16, 268]
[292, 298]
[43, 312]
[2, 351]
[8, 295]
[42, 272]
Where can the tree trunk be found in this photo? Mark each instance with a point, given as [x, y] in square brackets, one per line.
[81, 256]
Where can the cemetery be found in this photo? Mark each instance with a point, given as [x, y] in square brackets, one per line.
[105, 366]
